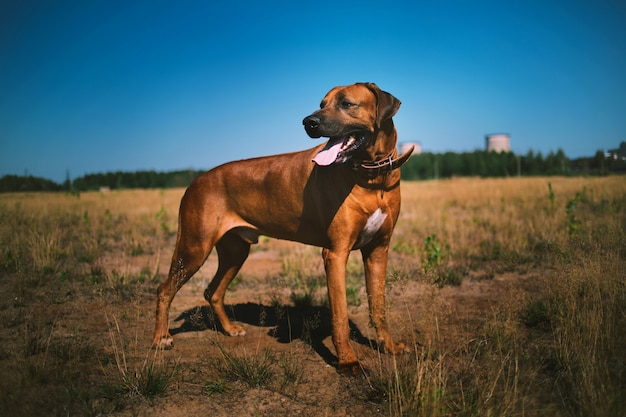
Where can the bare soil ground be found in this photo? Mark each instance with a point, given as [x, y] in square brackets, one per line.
[418, 312]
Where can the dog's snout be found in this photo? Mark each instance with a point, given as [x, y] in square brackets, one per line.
[312, 126]
[311, 122]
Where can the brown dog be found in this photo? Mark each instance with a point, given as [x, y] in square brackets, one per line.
[340, 196]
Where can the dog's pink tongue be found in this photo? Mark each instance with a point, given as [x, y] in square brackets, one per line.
[328, 155]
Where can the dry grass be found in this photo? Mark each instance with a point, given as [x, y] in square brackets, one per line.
[511, 292]
[557, 350]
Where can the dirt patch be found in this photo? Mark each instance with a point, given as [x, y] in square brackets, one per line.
[419, 314]
[115, 328]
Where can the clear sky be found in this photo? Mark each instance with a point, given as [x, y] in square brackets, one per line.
[97, 86]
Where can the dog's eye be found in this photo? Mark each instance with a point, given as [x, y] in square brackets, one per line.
[346, 104]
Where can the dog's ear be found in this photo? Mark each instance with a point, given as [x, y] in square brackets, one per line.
[387, 105]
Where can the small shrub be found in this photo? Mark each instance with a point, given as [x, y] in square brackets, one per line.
[302, 299]
[292, 370]
[432, 253]
[412, 386]
[162, 217]
[448, 276]
[45, 250]
[572, 222]
[255, 370]
[535, 314]
[151, 380]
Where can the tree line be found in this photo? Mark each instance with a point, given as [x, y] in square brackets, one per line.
[110, 180]
[485, 164]
[422, 166]
[139, 179]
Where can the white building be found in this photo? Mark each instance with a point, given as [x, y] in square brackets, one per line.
[498, 142]
[404, 146]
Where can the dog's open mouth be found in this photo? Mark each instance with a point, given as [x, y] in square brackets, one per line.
[339, 150]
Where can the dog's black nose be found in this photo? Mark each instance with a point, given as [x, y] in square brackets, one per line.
[311, 122]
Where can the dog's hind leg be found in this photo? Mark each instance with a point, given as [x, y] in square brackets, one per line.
[233, 250]
[189, 255]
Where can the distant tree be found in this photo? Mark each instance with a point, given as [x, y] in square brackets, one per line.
[14, 183]
[419, 167]
[451, 164]
[532, 164]
[67, 184]
[598, 162]
[556, 163]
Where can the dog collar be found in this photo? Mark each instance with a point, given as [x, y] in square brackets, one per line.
[383, 166]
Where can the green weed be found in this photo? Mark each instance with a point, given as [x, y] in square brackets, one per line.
[551, 195]
[293, 372]
[215, 387]
[432, 253]
[535, 313]
[448, 276]
[302, 299]
[572, 221]
[255, 370]
[150, 380]
[162, 217]
[416, 385]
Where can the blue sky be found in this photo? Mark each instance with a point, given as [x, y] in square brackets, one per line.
[97, 86]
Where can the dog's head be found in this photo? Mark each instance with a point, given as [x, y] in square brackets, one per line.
[350, 117]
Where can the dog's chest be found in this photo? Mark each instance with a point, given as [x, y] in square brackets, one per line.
[372, 226]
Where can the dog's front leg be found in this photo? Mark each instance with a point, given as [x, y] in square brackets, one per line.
[375, 265]
[335, 266]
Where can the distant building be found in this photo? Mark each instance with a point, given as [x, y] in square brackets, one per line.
[619, 153]
[498, 142]
[404, 146]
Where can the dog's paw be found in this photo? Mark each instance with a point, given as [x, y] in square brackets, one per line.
[165, 343]
[400, 348]
[352, 369]
[395, 348]
[235, 330]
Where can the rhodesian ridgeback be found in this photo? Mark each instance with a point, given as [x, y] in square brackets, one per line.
[341, 196]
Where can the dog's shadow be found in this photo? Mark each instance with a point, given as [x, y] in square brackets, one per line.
[311, 324]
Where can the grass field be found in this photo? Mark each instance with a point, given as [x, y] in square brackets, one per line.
[511, 293]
